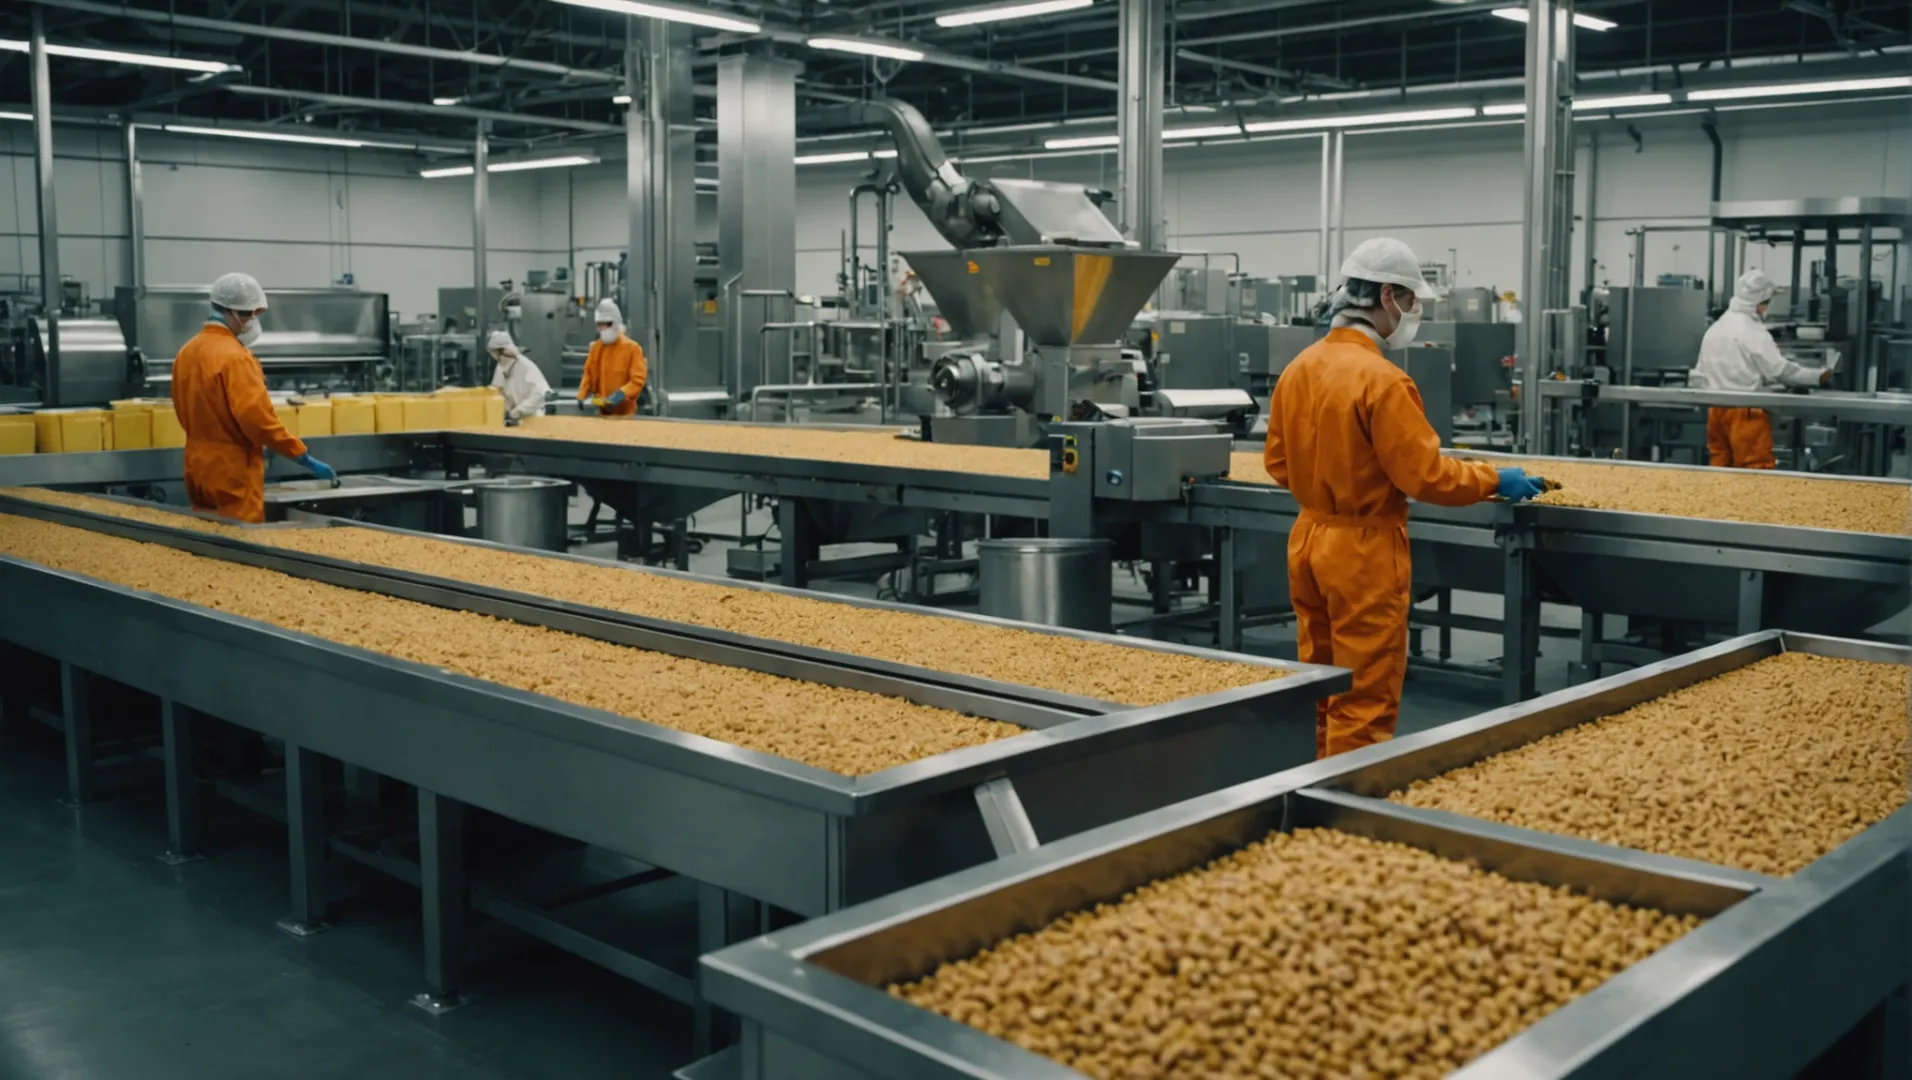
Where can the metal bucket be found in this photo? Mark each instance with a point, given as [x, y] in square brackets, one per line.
[1052, 582]
[524, 511]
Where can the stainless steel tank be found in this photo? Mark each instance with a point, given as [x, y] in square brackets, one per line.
[524, 511]
[1052, 582]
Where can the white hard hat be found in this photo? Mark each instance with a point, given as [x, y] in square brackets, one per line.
[1754, 287]
[1387, 261]
[238, 292]
[607, 311]
[500, 340]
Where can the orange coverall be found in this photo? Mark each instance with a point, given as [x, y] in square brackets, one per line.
[219, 395]
[1740, 439]
[609, 368]
[1348, 435]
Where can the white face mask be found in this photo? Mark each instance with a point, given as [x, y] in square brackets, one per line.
[1406, 329]
[608, 335]
[248, 332]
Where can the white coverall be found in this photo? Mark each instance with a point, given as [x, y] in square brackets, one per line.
[522, 384]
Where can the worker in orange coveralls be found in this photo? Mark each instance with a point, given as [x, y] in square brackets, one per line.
[1349, 437]
[219, 395]
[614, 372]
[1738, 353]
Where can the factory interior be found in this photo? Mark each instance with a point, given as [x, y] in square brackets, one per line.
[1024, 539]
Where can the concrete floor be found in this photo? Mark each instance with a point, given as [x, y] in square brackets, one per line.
[116, 967]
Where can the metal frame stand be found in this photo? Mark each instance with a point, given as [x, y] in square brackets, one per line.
[444, 890]
[305, 831]
[723, 918]
[798, 544]
[182, 785]
[1520, 625]
[76, 718]
[1228, 562]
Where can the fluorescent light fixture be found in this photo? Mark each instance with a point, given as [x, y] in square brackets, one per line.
[1736, 93]
[559, 162]
[264, 136]
[836, 158]
[621, 99]
[673, 13]
[706, 181]
[1412, 116]
[16, 116]
[1518, 108]
[116, 56]
[1622, 101]
[1584, 22]
[1218, 131]
[1010, 129]
[1022, 9]
[883, 154]
[443, 101]
[1082, 142]
[865, 47]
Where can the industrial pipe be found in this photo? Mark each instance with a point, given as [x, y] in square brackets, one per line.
[425, 108]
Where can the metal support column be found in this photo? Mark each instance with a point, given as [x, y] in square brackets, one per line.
[756, 207]
[1549, 128]
[723, 918]
[1327, 209]
[1228, 631]
[480, 210]
[182, 786]
[1338, 242]
[1793, 306]
[444, 890]
[76, 714]
[1592, 216]
[1520, 619]
[661, 181]
[799, 542]
[1862, 369]
[135, 213]
[49, 224]
[1752, 601]
[1143, 33]
[305, 829]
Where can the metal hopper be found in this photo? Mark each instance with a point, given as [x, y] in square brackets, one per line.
[1070, 295]
[962, 295]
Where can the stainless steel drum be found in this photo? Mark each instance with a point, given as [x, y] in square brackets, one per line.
[1052, 582]
[524, 511]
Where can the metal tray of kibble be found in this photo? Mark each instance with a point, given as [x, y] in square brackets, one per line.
[1779, 971]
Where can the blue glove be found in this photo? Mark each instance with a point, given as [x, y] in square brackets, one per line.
[616, 399]
[318, 468]
[1517, 486]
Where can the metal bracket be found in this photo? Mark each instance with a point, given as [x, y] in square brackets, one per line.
[1004, 817]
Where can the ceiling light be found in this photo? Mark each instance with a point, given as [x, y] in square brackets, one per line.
[1735, 93]
[883, 154]
[1220, 131]
[1584, 22]
[1518, 108]
[1622, 101]
[1022, 9]
[16, 116]
[1082, 142]
[81, 52]
[443, 101]
[266, 136]
[1415, 116]
[673, 13]
[833, 158]
[510, 166]
[621, 99]
[707, 181]
[864, 47]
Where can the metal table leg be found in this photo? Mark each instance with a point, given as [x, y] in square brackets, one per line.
[1752, 600]
[723, 918]
[182, 787]
[793, 521]
[441, 877]
[77, 716]
[1592, 629]
[1444, 606]
[1520, 623]
[305, 825]
[1228, 633]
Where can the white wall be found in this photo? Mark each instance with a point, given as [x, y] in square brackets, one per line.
[290, 215]
[1458, 189]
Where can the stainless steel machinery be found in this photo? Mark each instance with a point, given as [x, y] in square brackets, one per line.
[310, 337]
[1782, 971]
[1482, 375]
[1652, 329]
[95, 365]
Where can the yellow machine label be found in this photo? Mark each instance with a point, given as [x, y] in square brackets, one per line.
[1042, 260]
[974, 269]
[1091, 277]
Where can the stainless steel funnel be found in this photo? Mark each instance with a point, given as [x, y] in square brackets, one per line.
[963, 296]
[1070, 295]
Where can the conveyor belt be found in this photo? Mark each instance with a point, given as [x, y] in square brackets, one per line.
[1781, 970]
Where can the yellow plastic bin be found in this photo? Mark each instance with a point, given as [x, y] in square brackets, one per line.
[166, 429]
[494, 409]
[69, 431]
[288, 415]
[354, 416]
[315, 418]
[133, 429]
[427, 414]
[16, 434]
[463, 410]
[388, 412]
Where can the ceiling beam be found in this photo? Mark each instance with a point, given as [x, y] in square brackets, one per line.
[420, 108]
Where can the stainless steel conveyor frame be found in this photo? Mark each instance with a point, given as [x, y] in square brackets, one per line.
[735, 820]
[1782, 970]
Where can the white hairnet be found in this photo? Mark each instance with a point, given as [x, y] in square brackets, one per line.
[607, 311]
[500, 341]
[1389, 262]
[238, 292]
[1754, 287]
